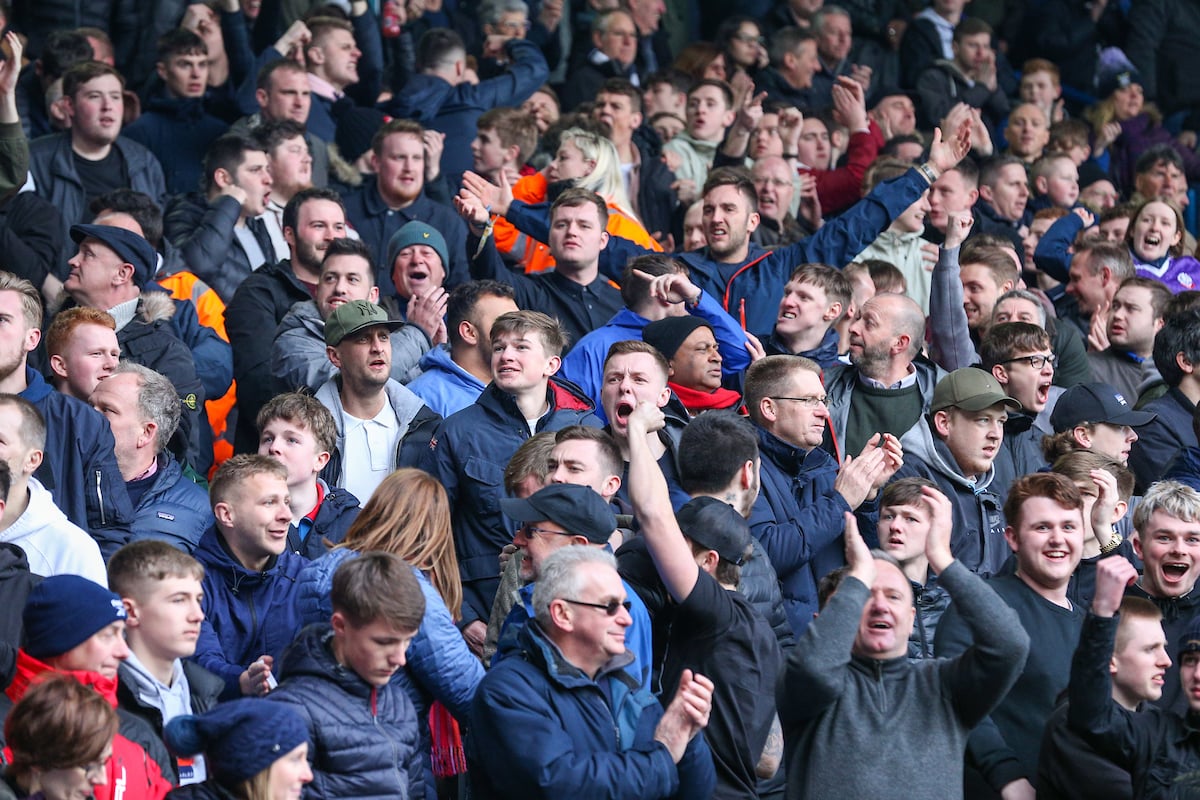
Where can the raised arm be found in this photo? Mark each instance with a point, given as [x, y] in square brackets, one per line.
[950, 345]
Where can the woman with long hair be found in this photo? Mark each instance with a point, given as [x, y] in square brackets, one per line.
[408, 515]
[253, 750]
[60, 734]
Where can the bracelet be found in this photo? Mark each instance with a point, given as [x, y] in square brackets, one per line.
[928, 172]
[1113, 543]
[789, 155]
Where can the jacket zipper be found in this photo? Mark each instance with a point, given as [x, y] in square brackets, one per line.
[100, 497]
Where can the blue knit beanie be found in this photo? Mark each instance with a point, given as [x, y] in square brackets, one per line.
[417, 232]
[240, 738]
[64, 611]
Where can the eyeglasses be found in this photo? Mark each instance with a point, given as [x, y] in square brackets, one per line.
[529, 531]
[610, 608]
[811, 401]
[1036, 361]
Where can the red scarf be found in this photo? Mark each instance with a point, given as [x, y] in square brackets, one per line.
[696, 401]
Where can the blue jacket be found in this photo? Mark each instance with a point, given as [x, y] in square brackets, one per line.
[336, 514]
[584, 365]
[365, 741]
[1160, 440]
[752, 289]
[445, 386]
[637, 636]
[468, 454]
[79, 466]
[440, 666]
[825, 354]
[322, 116]
[178, 131]
[542, 729]
[376, 223]
[174, 509]
[454, 110]
[798, 519]
[246, 614]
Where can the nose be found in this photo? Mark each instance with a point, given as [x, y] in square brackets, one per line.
[121, 650]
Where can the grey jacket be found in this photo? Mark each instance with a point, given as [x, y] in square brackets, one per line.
[840, 381]
[833, 705]
[298, 356]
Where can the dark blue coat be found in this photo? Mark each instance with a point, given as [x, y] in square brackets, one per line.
[1160, 440]
[246, 614]
[541, 728]
[467, 455]
[798, 519]
[322, 115]
[751, 290]
[174, 509]
[364, 741]
[178, 132]
[79, 466]
[454, 110]
[337, 513]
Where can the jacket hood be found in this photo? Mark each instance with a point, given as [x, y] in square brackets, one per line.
[312, 654]
[215, 554]
[12, 561]
[156, 307]
[42, 512]
[29, 669]
[538, 648]
[303, 315]
[1186, 468]
[920, 442]
[438, 358]
[404, 403]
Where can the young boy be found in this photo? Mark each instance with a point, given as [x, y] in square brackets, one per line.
[904, 518]
[815, 297]
[299, 432]
[505, 139]
[1055, 182]
[160, 588]
[1041, 85]
[338, 675]
[470, 448]
[709, 112]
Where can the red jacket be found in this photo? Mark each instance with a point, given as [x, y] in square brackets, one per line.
[132, 774]
[840, 188]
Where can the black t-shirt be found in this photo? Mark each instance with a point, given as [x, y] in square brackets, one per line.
[719, 634]
[100, 177]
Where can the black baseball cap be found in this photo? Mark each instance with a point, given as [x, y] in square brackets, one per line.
[1095, 402]
[577, 509]
[715, 524]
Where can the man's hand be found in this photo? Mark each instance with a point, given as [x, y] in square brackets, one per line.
[1086, 217]
[857, 476]
[858, 555]
[929, 255]
[426, 310]
[750, 112]
[294, 41]
[471, 208]
[790, 123]
[687, 714]
[1098, 328]
[10, 68]
[945, 154]
[684, 189]
[958, 228]
[673, 161]
[673, 288]
[860, 74]
[646, 418]
[433, 142]
[256, 680]
[755, 347]
[849, 103]
[810, 201]
[941, 525]
[474, 635]
[497, 198]
[1105, 506]
[1019, 789]
[1113, 575]
[893, 459]
[236, 192]
[506, 553]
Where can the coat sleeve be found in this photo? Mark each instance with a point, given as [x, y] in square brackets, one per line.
[791, 541]
[487, 265]
[298, 360]
[205, 243]
[527, 72]
[212, 355]
[840, 188]
[817, 669]
[1053, 253]
[950, 345]
[439, 659]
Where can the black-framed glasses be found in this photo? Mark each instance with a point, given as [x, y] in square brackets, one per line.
[529, 531]
[1036, 361]
[811, 401]
[610, 608]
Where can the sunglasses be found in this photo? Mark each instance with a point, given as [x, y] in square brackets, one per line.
[610, 608]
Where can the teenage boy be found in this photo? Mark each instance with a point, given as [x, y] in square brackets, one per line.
[505, 139]
[1055, 182]
[815, 298]
[709, 112]
[74, 626]
[83, 349]
[250, 612]
[174, 125]
[470, 448]
[1020, 358]
[338, 676]
[1045, 531]
[300, 433]
[160, 587]
[905, 515]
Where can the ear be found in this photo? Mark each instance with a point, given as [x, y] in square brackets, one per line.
[664, 397]
[1007, 287]
[766, 407]
[1119, 511]
[746, 475]
[320, 460]
[161, 69]
[1137, 545]
[604, 239]
[32, 337]
[1041, 184]
[553, 364]
[260, 97]
[728, 118]
[338, 623]
[1010, 536]
[468, 333]
[941, 423]
[596, 40]
[612, 484]
[753, 222]
[315, 54]
[1185, 366]
[512, 153]
[222, 178]
[973, 195]
[58, 366]
[123, 275]
[149, 429]
[289, 236]
[33, 461]
[1000, 374]
[636, 118]
[903, 341]
[333, 356]
[373, 295]
[223, 513]
[1112, 665]
[560, 615]
[373, 160]
[986, 193]
[833, 312]
[132, 612]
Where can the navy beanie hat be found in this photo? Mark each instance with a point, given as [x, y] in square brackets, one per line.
[64, 611]
[667, 335]
[240, 738]
[417, 232]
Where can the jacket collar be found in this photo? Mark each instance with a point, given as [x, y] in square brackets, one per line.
[538, 649]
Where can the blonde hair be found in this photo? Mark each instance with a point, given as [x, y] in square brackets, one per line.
[605, 178]
[408, 515]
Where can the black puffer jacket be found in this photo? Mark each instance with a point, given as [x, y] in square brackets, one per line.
[364, 739]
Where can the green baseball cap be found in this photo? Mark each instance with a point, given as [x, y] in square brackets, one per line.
[354, 316]
[970, 389]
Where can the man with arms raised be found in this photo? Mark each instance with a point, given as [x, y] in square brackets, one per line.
[829, 694]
